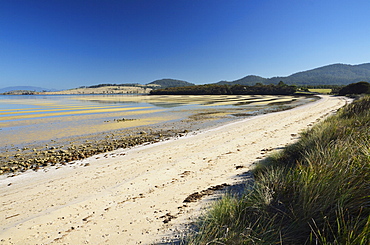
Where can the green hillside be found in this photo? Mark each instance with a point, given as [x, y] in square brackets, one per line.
[169, 83]
[339, 74]
[335, 74]
[248, 80]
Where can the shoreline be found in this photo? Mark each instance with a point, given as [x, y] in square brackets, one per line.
[58, 152]
[137, 195]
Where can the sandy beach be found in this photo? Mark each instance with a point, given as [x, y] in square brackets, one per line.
[136, 196]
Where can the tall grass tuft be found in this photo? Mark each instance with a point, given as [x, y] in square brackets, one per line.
[316, 191]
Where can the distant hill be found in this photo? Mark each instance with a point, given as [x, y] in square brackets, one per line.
[335, 74]
[106, 89]
[24, 88]
[170, 83]
[113, 85]
[248, 80]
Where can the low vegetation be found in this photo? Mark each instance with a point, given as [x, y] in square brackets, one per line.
[315, 191]
[355, 88]
[320, 90]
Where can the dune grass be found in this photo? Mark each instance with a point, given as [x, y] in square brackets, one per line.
[316, 191]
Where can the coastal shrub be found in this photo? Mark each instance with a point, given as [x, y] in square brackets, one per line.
[316, 191]
[355, 88]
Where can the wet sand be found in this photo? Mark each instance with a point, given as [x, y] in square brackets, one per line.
[56, 131]
[137, 195]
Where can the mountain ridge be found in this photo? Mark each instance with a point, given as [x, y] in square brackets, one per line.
[333, 74]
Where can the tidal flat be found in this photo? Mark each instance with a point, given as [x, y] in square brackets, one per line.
[38, 131]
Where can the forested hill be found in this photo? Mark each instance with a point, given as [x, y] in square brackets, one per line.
[169, 83]
[248, 80]
[336, 74]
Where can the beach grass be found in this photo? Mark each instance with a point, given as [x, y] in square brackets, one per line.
[316, 191]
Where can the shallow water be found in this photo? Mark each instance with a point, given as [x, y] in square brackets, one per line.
[29, 119]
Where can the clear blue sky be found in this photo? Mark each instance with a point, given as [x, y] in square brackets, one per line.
[70, 43]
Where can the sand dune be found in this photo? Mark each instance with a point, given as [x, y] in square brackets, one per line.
[135, 196]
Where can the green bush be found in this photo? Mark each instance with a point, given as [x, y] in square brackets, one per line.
[355, 88]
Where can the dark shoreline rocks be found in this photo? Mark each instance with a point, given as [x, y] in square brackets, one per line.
[57, 154]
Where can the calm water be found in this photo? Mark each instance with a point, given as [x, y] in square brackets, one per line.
[28, 119]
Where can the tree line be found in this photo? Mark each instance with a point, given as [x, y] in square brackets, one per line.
[214, 89]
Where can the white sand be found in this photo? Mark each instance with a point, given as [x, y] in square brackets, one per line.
[121, 197]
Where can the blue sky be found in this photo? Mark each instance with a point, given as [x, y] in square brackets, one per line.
[70, 43]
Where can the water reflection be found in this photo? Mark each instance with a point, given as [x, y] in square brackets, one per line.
[26, 118]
